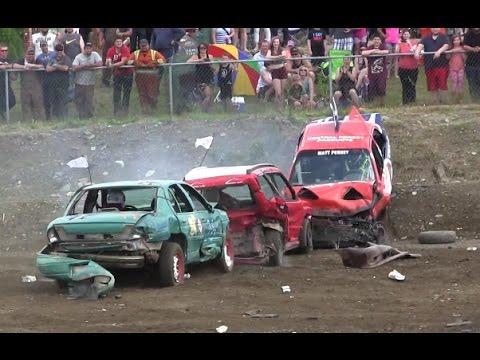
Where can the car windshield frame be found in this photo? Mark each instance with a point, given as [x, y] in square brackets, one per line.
[352, 167]
[84, 192]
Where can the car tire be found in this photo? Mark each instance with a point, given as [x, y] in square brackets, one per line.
[171, 265]
[62, 284]
[274, 238]
[306, 237]
[226, 259]
[437, 237]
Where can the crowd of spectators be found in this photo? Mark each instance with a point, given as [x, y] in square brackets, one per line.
[288, 75]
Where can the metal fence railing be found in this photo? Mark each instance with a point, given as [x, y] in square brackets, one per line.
[250, 86]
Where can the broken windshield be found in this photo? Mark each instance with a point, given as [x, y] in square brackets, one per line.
[115, 199]
[329, 166]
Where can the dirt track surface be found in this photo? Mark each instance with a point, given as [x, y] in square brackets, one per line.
[440, 288]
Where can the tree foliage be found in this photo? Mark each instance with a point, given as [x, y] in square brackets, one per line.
[13, 38]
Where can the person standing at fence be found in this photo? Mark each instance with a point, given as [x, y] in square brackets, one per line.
[317, 44]
[73, 45]
[436, 65]
[31, 93]
[85, 78]
[342, 38]
[276, 64]
[117, 56]
[392, 38]
[223, 35]
[472, 64]
[407, 67]
[165, 41]
[5, 64]
[377, 69]
[43, 60]
[456, 68]
[204, 74]
[58, 78]
[96, 38]
[146, 62]
[109, 35]
[346, 80]
[43, 35]
[225, 82]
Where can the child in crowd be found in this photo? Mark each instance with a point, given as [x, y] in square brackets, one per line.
[456, 68]
[295, 91]
[225, 81]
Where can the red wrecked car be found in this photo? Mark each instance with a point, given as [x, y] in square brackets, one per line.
[343, 169]
[266, 216]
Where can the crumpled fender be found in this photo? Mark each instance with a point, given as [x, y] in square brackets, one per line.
[85, 277]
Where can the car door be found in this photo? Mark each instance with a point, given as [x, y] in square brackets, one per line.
[188, 221]
[209, 224]
[295, 208]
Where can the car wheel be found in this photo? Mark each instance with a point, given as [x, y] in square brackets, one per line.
[61, 284]
[437, 237]
[306, 237]
[274, 239]
[171, 265]
[225, 260]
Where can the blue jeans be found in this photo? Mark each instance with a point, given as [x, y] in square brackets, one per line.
[473, 77]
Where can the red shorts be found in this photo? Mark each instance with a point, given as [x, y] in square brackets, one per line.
[437, 79]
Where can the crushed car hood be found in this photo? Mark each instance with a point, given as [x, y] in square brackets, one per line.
[337, 199]
[111, 222]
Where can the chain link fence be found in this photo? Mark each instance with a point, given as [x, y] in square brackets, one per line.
[303, 84]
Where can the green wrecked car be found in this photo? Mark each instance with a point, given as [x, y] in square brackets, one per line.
[158, 225]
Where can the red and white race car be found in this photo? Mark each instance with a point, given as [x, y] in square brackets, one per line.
[343, 169]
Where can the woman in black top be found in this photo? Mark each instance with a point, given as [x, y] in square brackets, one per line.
[204, 74]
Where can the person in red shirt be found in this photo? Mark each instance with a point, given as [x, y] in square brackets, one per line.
[407, 66]
[118, 56]
[424, 32]
[146, 61]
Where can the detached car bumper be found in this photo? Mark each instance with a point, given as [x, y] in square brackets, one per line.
[64, 268]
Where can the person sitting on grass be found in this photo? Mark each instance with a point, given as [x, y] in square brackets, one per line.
[293, 66]
[308, 95]
[346, 79]
[295, 92]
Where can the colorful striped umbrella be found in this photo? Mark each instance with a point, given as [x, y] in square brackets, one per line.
[248, 72]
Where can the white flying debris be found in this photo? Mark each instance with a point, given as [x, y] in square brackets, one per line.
[206, 142]
[149, 173]
[120, 162]
[80, 162]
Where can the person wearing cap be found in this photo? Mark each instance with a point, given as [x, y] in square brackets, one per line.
[31, 89]
[146, 63]
[57, 78]
[85, 78]
[5, 64]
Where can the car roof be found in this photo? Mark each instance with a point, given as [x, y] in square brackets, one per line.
[323, 134]
[206, 172]
[134, 183]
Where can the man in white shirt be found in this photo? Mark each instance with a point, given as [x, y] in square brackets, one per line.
[46, 35]
[85, 78]
[262, 54]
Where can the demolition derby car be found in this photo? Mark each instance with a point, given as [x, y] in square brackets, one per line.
[343, 169]
[157, 225]
[266, 216]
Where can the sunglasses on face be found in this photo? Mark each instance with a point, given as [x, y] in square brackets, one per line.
[3, 49]
[302, 71]
[203, 48]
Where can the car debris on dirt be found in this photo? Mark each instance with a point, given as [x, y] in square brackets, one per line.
[222, 329]
[29, 278]
[371, 256]
[395, 275]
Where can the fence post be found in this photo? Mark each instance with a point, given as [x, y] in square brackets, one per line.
[330, 83]
[170, 89]
[7, 100]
